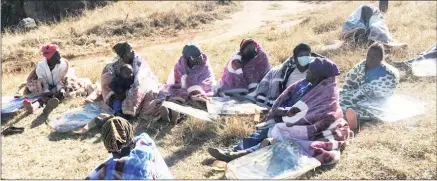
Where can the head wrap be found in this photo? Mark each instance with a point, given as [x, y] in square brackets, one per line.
[49, 50]
[192, 50]
[301, 47]
[323, 67]
[117, 133]
[246, 42]
[121, 48]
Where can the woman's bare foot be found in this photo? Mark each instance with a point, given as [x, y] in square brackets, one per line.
[352, 119]
[165, 114]
[174, 117]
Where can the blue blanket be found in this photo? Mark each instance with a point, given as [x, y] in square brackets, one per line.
[143, 162]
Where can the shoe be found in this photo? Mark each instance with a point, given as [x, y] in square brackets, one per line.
[219, 154]
[51, 104]
[224, 155]
[12, 130]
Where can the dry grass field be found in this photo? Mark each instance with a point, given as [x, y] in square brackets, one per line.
[401, 150]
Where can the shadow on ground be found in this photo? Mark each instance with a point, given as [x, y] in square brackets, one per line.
[13, 118]
[58, 136]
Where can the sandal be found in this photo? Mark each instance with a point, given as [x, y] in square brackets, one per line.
[12, 130]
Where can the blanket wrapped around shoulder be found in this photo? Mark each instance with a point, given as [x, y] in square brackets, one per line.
[319, 127]
[376, 27]
[275, 82]
[184, 80]
[144, 97]
[246, 79]
[355, 88]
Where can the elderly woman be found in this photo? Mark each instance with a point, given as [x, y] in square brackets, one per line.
[370, 79]
[307, 111]
[190, 82]
[132, 158]
[144, 98]
[279, 78]
[244, 71]
[52, 78]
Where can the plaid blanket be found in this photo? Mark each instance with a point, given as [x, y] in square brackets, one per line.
[143, 162]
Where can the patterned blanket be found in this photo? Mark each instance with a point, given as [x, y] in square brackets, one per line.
[184, 80]
[246, 79]
[319, 127]
[375, 27]
[275, 82]
[356, 89]
[144, 97]
[143, 162]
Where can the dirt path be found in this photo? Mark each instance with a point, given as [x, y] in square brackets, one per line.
[253, 16]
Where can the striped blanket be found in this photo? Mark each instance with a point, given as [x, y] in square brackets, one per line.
[319, 127]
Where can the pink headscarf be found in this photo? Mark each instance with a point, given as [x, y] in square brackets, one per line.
[49, 50]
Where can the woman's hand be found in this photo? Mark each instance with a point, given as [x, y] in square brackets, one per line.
[292, 112]
[236, 64]
[199, 97]
[289, 124]
[279, 112]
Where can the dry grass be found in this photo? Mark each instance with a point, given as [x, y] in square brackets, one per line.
[400, 150]
[97, 30]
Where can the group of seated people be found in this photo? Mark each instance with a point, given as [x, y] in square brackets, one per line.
[301, 93]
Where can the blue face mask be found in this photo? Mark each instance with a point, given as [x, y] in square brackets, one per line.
[304, 60]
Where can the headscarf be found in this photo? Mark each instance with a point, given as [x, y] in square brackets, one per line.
[121, 48]
[323, 67]
[115, 130]
[246, 42]
[299, 48]
[49, 50]
[192, 50]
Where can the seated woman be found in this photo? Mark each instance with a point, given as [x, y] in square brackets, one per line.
[366, 23]
[307, 111]
[50, 79]
[280, 77]
[131, 158]
[244, 71]
[190, 82]
[369, 79]
[143, 99]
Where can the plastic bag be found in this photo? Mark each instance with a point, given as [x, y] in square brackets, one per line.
[74, 119]
[394, 108]
[283, 160]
